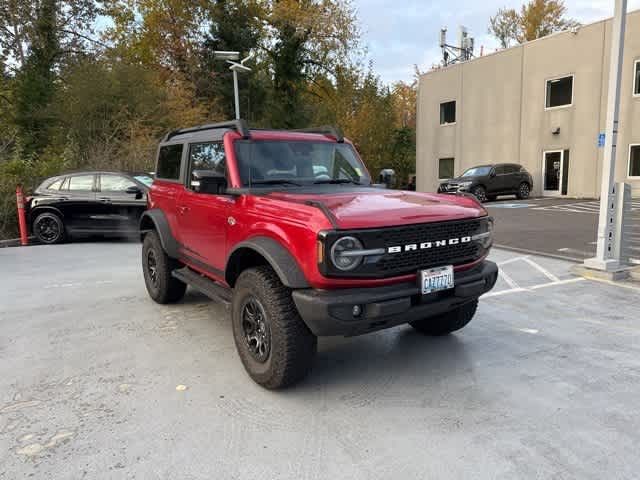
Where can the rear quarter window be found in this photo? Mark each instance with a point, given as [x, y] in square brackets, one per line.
[55, 185]
[169, 159]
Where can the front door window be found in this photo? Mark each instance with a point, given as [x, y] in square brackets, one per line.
[555, 172]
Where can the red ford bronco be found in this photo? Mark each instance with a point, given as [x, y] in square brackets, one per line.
[286, 228]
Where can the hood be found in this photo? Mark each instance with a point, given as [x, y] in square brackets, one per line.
[469, 178]
[374, 208]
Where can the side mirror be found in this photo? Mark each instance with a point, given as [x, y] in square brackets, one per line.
[208, 181]
[134, 190]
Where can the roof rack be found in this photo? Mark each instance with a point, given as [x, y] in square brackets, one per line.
[239, 125]
[326, 130]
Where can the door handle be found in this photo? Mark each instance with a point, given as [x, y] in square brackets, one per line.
[182, 209]
[105, 199]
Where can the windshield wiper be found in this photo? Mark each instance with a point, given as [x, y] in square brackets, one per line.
[276, 181]
[337, 181]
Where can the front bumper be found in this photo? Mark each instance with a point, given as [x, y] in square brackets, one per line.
[445, 188]
[330, 312]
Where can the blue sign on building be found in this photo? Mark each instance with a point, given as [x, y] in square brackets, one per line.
[600, 140]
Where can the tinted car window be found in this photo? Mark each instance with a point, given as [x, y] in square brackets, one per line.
[115, 183]
[512, 168]
[169, 162]
[476, 172]
[81, 183]
[501, 169]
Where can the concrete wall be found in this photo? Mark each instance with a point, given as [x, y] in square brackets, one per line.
[501, 115]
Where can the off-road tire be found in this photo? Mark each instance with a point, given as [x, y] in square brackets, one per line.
[163, 288]
[55, 223]
[480, 193]
[524, 190]
[448, 322]
[292, 346]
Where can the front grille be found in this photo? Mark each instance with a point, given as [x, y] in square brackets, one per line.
[416, 234]
[403, 262]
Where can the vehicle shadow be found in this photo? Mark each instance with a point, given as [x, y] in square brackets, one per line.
[132, 238]
[381, 358]
[370, 362]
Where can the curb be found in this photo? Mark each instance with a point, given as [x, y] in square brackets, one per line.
[618, 275]
[15, 242]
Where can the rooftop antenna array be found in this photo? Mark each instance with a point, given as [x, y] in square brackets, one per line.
[454, 54]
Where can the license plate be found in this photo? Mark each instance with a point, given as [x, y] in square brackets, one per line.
[436, 279]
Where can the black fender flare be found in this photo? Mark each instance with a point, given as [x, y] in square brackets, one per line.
[282, 262]
[155, 219]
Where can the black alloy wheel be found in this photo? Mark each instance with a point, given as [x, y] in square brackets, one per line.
[48, 228]
[255, 326]
[480, 193]
[157, 268]
[524, 191]
[152, 267]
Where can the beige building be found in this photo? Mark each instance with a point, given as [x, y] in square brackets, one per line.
[541, 104]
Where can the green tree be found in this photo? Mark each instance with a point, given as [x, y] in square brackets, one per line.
[35, 82]
[536, 19]
[235, 26]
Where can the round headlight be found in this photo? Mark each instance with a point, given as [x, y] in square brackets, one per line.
[343, 253]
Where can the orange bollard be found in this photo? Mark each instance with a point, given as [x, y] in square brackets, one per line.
[22, 221]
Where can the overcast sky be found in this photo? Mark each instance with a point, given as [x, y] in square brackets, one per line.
[401, 33]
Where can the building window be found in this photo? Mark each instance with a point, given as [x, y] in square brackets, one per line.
[445, 168]
[634, 161]
[447, 113]
[560, 92]
[636, 78]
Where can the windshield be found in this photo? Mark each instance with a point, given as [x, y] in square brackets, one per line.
[146, 179]
[476, 172]
[299, 163]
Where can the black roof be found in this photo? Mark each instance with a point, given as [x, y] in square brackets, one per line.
[242, 127]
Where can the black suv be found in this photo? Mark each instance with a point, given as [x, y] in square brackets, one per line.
[87, 203]
[486, 182]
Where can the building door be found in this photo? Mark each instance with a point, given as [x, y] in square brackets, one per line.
[554, 173]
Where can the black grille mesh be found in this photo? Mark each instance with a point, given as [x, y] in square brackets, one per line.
[449, 254]
[393, 264]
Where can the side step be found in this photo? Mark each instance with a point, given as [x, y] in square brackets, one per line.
[205, 285]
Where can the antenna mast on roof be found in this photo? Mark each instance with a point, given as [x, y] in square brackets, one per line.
[453, 54]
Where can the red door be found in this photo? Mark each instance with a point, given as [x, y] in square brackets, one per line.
[202, 220]
[203, 217]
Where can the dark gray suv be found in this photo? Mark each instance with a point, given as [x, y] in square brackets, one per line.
[486, 182]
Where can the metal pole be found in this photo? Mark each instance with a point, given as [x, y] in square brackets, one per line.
[605, 254]
[235, 93]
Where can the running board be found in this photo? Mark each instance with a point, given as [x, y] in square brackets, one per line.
[204, 285]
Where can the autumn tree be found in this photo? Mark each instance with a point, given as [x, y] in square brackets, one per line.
[536, 19]
[308, 39]
[159, 33]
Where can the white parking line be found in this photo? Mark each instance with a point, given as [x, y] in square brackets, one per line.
[537, 287]
[583, 207]
[542, 270]
[510, 281]
[511, 260]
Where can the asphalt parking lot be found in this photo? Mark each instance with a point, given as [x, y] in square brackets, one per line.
[564, 228]
[97, 381]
